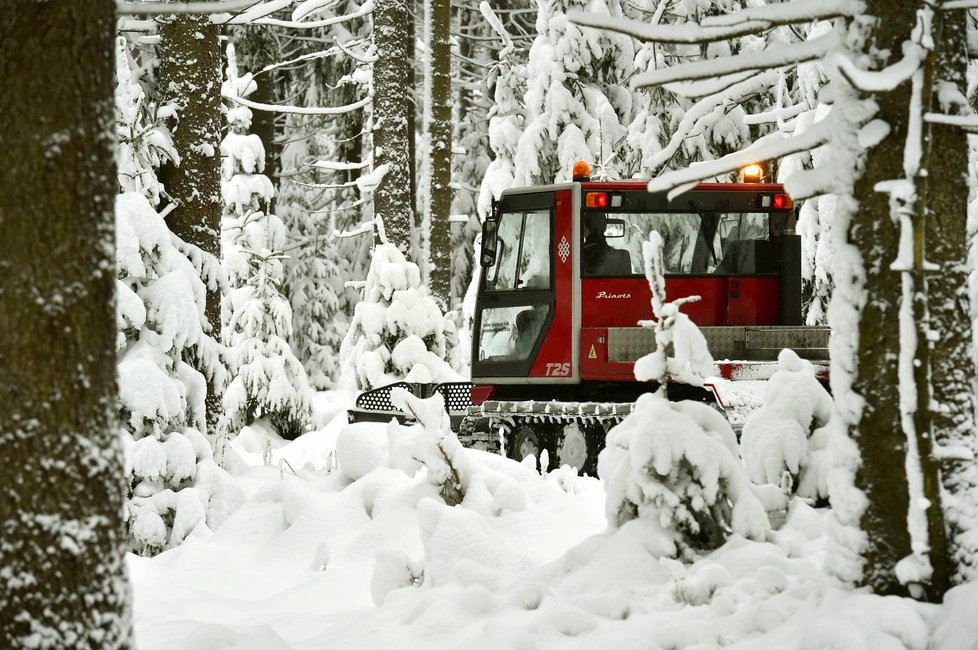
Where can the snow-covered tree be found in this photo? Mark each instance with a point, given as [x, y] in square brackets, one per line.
[785, 442]
[143, 144]
[269, 381]
[677, 463]
[507, 78]
[62, 538]
[576, 106]
[398, 332]
[174, 487]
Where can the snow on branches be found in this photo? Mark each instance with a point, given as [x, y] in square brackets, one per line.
[175, 488]
[398, 332]
[677, 463]
[785, 442]
[270, 382]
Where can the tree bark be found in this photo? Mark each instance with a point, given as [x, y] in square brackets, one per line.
[189, 76]
[440, 149]
[879, 432]
[62, 534]
[945, 195]
[392, 198]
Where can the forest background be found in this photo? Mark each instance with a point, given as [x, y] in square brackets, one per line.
[300, 184]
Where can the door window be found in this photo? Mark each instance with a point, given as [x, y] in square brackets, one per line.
[523, 258]
[510, 333]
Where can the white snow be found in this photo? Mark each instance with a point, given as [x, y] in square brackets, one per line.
[318, 559]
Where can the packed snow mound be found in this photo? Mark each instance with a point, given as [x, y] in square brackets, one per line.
[677, 464]
[785, 442]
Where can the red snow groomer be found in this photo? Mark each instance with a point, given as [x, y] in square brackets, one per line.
[562, 288]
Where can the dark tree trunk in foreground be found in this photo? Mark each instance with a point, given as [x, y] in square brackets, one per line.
[189, 75]
[945, 193]
[62, 534]
[440, 148]
[879, 433]
[393, 201]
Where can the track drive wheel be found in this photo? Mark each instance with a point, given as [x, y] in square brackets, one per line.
[526, 441]
[572, 448]
[578, 448]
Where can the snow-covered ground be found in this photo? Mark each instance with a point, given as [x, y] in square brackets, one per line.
[315, 559]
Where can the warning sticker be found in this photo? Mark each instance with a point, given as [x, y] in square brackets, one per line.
[592, 354]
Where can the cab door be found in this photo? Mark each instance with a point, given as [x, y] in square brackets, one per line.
[522, 325]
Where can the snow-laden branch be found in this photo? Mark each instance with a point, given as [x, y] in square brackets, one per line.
[300, 110]
[123, 8]
[334, 166]
[966, 122]
[365, 10]
[362, 229]
[727, 26]
[772, 57]
[879, 80]
[260, 11]
[322, 54]
[959, 4]
[773, 146]
[359, 58]
[669, 33]
[704, 87]
[787, 13]
[497, 26]
[705, 108]
[776, 115]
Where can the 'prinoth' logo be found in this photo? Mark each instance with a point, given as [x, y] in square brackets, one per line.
[612, 296]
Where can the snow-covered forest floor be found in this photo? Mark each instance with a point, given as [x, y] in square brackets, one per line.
[526, 561]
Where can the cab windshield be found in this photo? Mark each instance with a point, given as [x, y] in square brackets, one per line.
[695, 243]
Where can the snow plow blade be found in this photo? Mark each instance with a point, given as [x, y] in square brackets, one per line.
[375, 405]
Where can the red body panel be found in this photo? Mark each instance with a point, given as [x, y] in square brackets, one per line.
[554, 358]
[615, 302]
[594, 358]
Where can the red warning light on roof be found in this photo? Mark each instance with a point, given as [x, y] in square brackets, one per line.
[582, 171]
[781, 202]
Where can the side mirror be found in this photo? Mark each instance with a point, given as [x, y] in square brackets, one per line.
[614, 228]
[490, 241]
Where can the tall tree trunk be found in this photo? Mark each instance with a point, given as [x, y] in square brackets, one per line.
[438, 20]
[189, 76]
[879, 432]
[393, 202]
[945, 194]
[62, 534]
